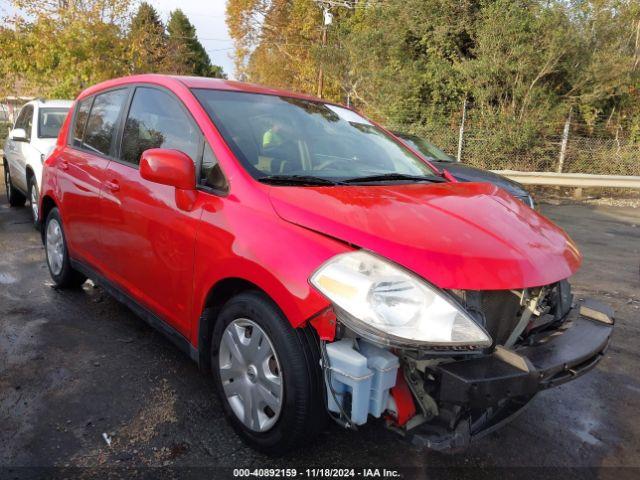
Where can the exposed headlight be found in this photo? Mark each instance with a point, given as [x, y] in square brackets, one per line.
[387, 304]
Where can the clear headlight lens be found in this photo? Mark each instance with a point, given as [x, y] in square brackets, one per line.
[385, 303]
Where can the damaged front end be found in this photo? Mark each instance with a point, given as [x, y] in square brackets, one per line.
[444, 395]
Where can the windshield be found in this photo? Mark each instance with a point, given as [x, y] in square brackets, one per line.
[284, 136]
[50, 120]
[429, 150]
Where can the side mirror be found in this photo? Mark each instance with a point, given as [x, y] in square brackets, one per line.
[18, 134]
[168, 167]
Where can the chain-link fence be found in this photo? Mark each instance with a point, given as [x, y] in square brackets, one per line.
[604, 156]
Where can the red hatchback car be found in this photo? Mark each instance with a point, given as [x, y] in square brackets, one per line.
[317, 266]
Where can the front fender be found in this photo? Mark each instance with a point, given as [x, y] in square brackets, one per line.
[258, 247]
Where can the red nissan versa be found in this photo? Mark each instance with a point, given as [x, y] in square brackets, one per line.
[316, 265]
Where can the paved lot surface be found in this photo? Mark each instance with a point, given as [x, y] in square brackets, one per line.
[76, 364]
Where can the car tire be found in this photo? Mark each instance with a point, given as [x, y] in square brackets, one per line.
[34, 201]
[14, 196]
[60, 269]
[292, 413]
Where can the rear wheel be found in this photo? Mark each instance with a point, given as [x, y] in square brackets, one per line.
[34, 199]
[267, 374]
[14, 196]
[62, 274]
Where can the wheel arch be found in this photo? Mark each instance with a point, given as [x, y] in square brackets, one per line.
[48, 204]
[218, 295]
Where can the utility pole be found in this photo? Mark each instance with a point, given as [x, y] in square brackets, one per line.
[461, 134]
[327, 20]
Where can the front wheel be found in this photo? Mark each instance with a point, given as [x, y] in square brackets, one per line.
[14, 196]
[267, 374]
[60, 269]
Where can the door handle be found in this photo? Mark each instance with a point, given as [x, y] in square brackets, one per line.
[64, 165]
[112, 185]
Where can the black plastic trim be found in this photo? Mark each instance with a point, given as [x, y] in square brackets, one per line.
[558, 357]
[468, 431]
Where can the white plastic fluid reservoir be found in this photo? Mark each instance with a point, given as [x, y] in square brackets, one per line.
[349, 375]
[384, 366]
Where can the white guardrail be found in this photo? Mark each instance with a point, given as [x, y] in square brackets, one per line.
[578, 180]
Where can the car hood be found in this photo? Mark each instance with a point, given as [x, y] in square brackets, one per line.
[471, 236]
[467, 173]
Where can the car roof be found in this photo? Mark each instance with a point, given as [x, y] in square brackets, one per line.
[170, 81]
[41, 103]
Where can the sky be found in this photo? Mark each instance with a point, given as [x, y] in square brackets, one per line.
[209, 19]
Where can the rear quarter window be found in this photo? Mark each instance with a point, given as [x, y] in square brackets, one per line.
[80, 121]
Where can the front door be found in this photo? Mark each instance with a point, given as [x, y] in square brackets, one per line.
[149, 240]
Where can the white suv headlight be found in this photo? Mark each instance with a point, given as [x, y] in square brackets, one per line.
[387, 304]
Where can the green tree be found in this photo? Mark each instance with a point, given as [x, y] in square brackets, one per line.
[278, 43]
[58, 48]
[606, 83]
[519, 73]
[187, 56]
[147, 41]
[411, 51]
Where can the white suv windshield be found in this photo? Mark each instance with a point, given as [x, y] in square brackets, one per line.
[285, 136]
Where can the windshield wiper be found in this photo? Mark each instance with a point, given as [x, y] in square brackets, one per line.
[298, 180]
[384, 177]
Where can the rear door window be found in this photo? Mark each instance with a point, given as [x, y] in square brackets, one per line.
[158, 120]
[101, 126]
[25, 120]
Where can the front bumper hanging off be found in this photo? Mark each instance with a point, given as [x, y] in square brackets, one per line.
[498, 386]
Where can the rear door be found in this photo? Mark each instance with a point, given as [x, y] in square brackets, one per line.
[81, 170]
[149, 240]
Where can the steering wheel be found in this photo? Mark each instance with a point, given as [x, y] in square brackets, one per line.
[334, 161]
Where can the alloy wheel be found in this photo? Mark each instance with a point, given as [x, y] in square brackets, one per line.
[55, 246]
[250, 374]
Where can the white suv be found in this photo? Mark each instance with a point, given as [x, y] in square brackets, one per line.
[29, 143]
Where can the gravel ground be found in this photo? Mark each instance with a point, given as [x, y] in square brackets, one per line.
[75, 365]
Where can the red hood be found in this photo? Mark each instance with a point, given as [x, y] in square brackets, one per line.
[471, 236]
